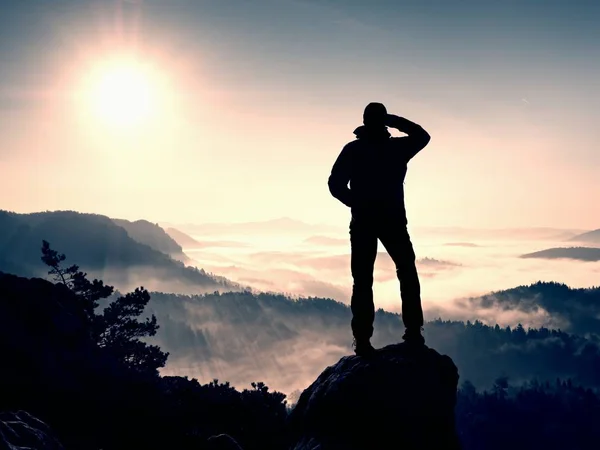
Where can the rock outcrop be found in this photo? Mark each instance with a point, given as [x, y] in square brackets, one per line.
[222, 442]
[20, 430]
[52, 368]
[401, 397]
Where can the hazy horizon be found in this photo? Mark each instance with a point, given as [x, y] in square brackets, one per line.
[307, 260]
[339, 225]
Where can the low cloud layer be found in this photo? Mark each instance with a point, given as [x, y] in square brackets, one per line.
[288, 348]
[471, 266]
[456, 283]
[287, 343]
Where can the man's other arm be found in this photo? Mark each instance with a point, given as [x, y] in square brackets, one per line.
[417, 138]
[340, 177]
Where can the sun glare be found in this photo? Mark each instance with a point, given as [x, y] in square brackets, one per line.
[123, 93]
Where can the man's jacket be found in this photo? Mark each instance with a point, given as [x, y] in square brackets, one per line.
[375, 165]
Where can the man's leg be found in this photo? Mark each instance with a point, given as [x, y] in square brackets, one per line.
[363, 242]
[396, 240]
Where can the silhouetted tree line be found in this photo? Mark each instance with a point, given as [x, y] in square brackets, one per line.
[253, 417]
[276, 324]
[482, 352]
[550, 415]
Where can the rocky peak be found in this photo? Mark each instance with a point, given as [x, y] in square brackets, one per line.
[401, 397]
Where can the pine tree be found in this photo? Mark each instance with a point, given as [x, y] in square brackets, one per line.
[117, 328]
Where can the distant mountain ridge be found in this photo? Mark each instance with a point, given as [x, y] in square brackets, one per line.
[590, 237]
[182, 239]
[522, 233]
[298, 227]
[153, 236]
[189, 243]
[273, 226]
[100, 247]
[578, 253]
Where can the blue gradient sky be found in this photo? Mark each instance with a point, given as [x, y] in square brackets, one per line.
[263, 94]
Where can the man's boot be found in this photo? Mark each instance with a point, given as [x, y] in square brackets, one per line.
[363, 347]
[413, 336]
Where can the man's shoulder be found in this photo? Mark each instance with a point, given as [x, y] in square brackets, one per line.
[350, 147]
[356, 143]
[353, 142]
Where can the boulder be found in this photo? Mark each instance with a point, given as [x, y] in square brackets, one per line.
[222, 442]
[400, 397]
[20, 430]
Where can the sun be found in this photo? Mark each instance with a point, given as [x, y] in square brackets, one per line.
[122, 93]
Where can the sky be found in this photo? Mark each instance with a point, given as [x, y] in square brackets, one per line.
[191, 111]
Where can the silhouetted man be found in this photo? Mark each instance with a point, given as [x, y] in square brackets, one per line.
[375, 166]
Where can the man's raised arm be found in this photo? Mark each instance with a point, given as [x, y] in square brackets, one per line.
[340, 176]
[417, 137]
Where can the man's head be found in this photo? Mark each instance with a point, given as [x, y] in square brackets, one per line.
[375, 115]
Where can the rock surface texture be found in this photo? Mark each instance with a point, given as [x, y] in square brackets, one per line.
[222, 442]
[401, 397]
[20, 430]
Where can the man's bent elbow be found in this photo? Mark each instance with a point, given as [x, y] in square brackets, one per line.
[334, 188]
[331, 185]
[425, 138]
[339, 191]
